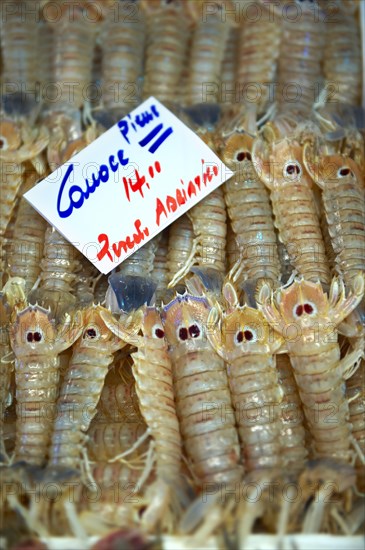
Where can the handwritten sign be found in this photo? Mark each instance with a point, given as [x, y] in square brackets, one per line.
[128, 185]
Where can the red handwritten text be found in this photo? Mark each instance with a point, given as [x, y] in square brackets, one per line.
[123, 245]
[172, 202]
[139, 181]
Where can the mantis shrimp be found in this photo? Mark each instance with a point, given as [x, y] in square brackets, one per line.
[26, 244]
[258, 52]
[153, 375]
[210, 36]
[58, 266]
[19, 41]
[246, 345]
[123, 40]
[18, 144]
[203, 400]
[73, 43]
[307, 318]
[301, 52]
[279, 166]
[82, 385]
[228, 82]
[37, 341]
[167, 41]
[341, 181]
[248, 205]
[342, 55]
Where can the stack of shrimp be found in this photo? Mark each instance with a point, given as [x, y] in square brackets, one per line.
[218, 373]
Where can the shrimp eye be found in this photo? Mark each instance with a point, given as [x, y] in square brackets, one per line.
[37, 336]
[194, 331]
[292, 169]
[3, 143]
[298, 311]
[158, 332]
[242, 155]
[249, 334]
[239, 337]
[29, 336]
[343, 172]
[183, 333]
[308, 308]
[91, 333]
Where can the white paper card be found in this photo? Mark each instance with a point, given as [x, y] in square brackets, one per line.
[128, 185]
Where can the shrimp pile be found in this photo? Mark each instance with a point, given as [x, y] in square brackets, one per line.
[211, 386]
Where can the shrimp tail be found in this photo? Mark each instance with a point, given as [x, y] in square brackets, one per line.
[167, 501]
[205, 279]
[129, 292]
[197, 511]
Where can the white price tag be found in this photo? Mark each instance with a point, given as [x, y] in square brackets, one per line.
[128, 185]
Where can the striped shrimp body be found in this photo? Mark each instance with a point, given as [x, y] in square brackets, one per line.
[228, 77]
[181, 237]
[73, 43]
[203, 400]
[82, 386]
[107, 440]
[208, 219]
[307, 318]
[6, 369]
[246, 344]
[342, 57]
[19, 41]
[356, 397]
[343, 196]
[258, 52]
[249, 209]
[17, 145]
[58, 266]
[153, 375]
[66, 129]
[301, 52]
[59, 262]
[293, 433]
[122, 44]
[160, 273]
[296, 218]
[37, 342]
[118, 400]
[26, 244]
[210, 36]
[83, 288]
[167, 41]
[140, 263]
